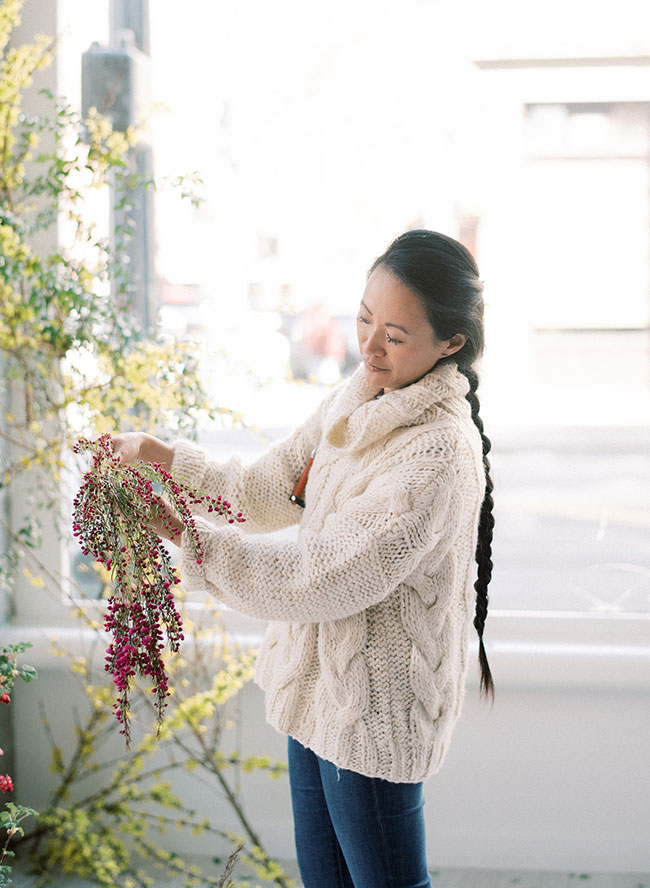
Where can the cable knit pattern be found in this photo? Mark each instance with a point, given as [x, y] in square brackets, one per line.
[365, 654]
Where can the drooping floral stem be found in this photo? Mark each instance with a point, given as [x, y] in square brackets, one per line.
[112, 519]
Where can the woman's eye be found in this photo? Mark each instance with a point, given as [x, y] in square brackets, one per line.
[362, 319]
[393, 341]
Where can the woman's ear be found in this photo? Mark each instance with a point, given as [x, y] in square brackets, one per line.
[455, 344]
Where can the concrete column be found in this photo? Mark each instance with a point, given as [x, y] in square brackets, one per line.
[32, 604]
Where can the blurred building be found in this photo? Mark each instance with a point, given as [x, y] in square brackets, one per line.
[565, 239]
[325, 135]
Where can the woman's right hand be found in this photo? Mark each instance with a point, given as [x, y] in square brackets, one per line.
[128, 446]
[132, 446]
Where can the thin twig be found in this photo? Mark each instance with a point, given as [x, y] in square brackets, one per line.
[16, 538]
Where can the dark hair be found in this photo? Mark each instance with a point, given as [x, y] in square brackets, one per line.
[444, 275]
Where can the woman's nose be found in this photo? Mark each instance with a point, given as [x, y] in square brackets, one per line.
[375, 343]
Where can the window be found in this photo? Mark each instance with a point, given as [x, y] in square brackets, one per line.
[313, 157]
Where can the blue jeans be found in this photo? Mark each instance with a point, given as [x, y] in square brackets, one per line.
[353, 831]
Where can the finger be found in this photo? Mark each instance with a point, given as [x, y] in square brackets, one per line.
[116, 448]
[123, 449]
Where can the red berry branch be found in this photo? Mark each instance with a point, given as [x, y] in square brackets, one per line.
[112, 519]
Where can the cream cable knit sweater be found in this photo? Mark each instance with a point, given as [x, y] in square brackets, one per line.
[365, 656]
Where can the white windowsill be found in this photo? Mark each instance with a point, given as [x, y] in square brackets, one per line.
[525, 649]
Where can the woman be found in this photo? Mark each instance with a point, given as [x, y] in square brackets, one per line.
[364, 659]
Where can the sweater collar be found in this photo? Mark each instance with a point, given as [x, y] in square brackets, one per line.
[358, 418]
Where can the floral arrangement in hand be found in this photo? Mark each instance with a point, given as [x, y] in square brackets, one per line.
[116, 518]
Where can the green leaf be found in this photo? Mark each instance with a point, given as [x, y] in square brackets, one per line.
[28, 673]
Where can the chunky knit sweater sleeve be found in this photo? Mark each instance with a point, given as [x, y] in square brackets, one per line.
[260, 491]
[362, 551]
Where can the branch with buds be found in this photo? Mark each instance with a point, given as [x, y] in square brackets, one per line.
[117, 515]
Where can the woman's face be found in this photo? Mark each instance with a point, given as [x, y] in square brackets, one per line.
[397, 342]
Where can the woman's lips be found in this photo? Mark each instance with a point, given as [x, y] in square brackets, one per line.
[374, 367]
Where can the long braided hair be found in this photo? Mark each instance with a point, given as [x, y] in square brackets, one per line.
[444, 275]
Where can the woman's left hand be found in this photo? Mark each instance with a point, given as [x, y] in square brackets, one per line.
[166, 523]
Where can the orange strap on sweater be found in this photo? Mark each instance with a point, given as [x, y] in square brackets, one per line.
[297, 496]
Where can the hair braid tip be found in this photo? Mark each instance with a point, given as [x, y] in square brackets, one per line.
[487, 682]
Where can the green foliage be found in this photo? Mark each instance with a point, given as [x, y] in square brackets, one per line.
[10, 821]
[73, 359]
[13, 815]
[65, 332]
[9, 668]
[112, 829]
